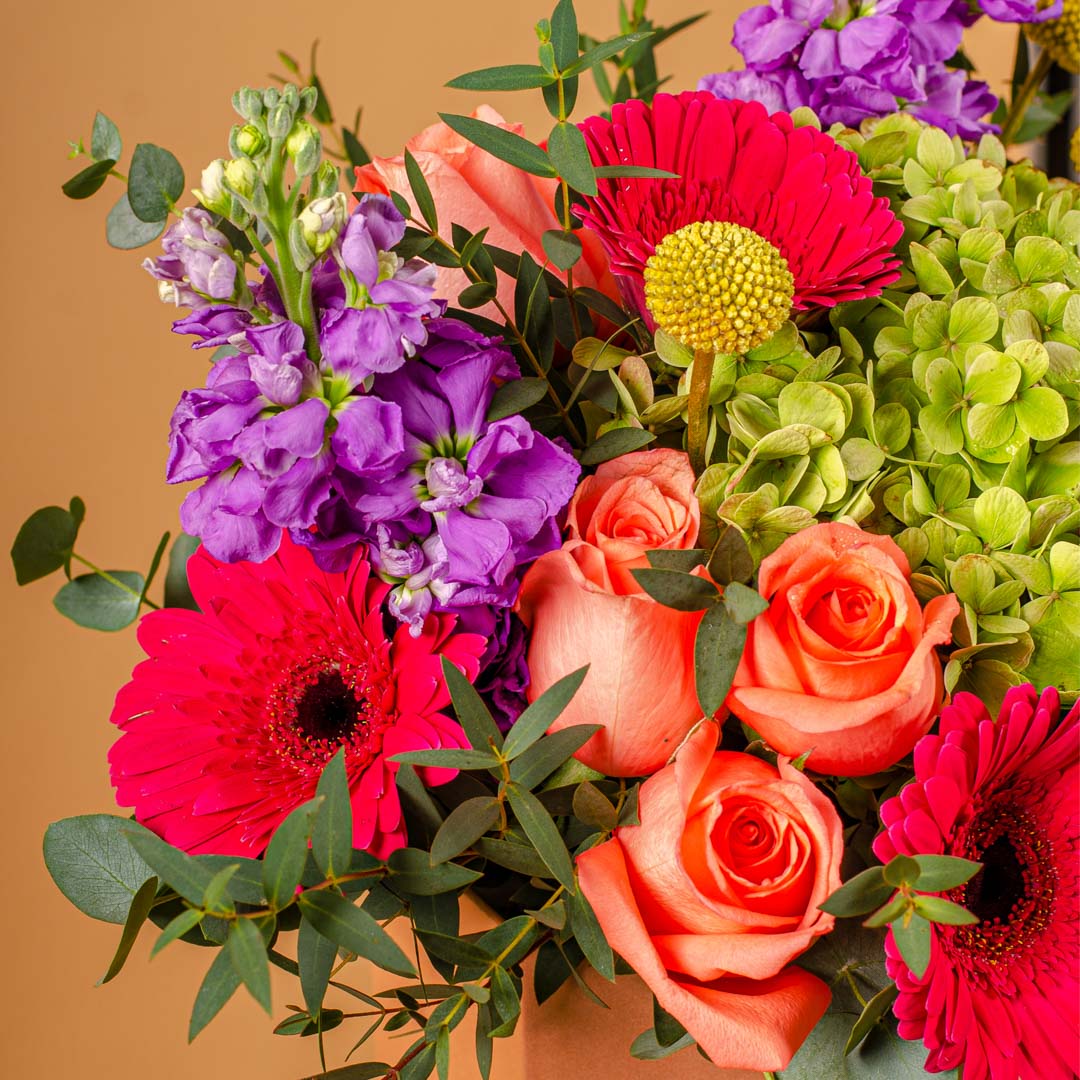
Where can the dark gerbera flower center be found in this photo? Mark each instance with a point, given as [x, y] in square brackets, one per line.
[322, 704]
[1014, 893]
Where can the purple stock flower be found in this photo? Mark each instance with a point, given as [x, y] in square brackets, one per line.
[197, 267]
[380, 320]
[504, 674]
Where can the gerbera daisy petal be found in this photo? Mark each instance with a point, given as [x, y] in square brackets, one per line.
[1001, 995]
[229, 724]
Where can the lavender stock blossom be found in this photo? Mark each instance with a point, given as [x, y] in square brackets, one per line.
[197, 266]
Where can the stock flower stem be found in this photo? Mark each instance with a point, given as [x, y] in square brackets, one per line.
[1025, 95]
[698, 428]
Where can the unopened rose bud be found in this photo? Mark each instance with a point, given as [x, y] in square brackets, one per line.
[250, 141]
[304, 146]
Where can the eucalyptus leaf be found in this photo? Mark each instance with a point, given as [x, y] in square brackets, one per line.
[247, 952]
[505, 77]
[542, 833]
[516, 396]
[504, 145]
[88, 181]
[718, 647]
[105, 142]
[94, 601]
[332, 832]
[220, 983]
[542, 713]
[614, 443]
[141, 904]
[44, 543]
[347, 925]
[155, 182]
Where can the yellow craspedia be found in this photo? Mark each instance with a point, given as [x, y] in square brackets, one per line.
[1060, 37]
[1074, 149]
[718, 287]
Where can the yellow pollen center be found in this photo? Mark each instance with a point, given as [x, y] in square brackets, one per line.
[718, 287]
[1060, 37]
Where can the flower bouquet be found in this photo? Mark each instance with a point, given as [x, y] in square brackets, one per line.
[665, 534]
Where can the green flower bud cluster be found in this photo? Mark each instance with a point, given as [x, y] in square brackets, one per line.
[944, 412]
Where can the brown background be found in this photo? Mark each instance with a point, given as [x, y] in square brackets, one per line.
[93, 374]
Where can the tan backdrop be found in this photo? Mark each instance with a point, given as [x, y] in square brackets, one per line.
[93, 374]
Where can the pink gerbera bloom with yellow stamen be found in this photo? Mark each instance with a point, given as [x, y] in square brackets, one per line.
[229, 722]
[796, 216]
[1001, 996]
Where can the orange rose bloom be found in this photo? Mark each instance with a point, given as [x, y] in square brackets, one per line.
[583, 606]
[474, 189]
[713, 895]
[843, 661]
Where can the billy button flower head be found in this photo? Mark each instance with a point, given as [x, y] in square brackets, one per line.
[1060, 37]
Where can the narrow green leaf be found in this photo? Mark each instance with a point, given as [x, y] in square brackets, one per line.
[731, 559]
[860, 895]
[105, 142]
[668, 1029]
[618, 172]
[453, 949]
[542, 833]
[535, 765]
[124, 231]
[589, 936]
[216, 898]
[177, 593]
[743, 603]
[421, 192]
[515, 397]
[604, 51]
[718, 648]
[542, 713]
[504, 145]
[176, 869]
[44, 543]
[647, 1047]
[332, 832]
[287, 853]
[562, 248]
[247, 952]
[683, 560]
[413, 873]
[476, 295]
[887, 912]
[517, 857]
[506, 77]
[217, 987]
[901, 870]
[569, 154]
[354, 929]
[674, 589]
[593, 807]
[155, 182]
[155, 562]
[472, 713]
[564, 33]
[315, 956]
[940, 872]
[615, 443]
[448, 759]
[187, 920]
[875, 1009]
[354, 149]
[88, 181]
[467, 822]
[137, 915]
[913, 941]
[939, 910]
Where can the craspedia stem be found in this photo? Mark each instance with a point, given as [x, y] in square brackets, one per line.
[697, 435]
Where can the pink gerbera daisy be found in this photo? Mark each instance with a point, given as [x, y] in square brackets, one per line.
[230, 721]
[801, 225]
[1001, 996]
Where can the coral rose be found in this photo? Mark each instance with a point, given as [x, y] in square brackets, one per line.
[474, 189]
[713, 895]
[583, 606]
[843, 661]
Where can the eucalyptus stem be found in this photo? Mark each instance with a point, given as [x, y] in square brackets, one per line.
[115, 581]
[698, 429]
[1025, 95]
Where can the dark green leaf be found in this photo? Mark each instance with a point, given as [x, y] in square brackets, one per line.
[421, 192]
[551, 969]
[484, 1021]
[315, 956]
[875, 1009]
[105, 143]
[247, 952]
[219, 985]
[913, 941]
[589, 935]
[731, 559]
[187, 920]
[89, 180]
[506, 77]
[901, 870]
[369, 1070]
[44, 543]
[177, 593]
[97, 603]
[647, 1047]
[564, 33]
[507, 1003]
[570, 156]
[413, 873]
[467, 822]
[939, 910]
[448, 759]
[542, 713]
[940, 872]
[354, 149]
[892, 910]
[516, 396]
[472, 713]
[862, 894]
[604, 51]
[562, 248]
[668, 1029]
[674, 589]
[354, 929]
[124, 231]
[322, 113]
[505, 145]
[537, 763]
[287, 853]
[593, 807]
[137, 915]
[93, 865]
[611, 172]
[542, 833]
[216, 898]
[155, 182]
[743, 603]
[179, 871]
[614, 443]
[476, 295]
[455, 950]
[420, 1066]
[683, 560]
[420, 809]
[155, 562]
[517, 857]
[718, 648]
[332, 832]
[245, 885]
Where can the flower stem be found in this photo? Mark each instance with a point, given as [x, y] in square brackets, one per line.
[114, 581]
[1024, 96]
[698, 430]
